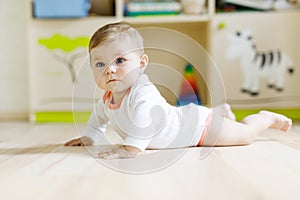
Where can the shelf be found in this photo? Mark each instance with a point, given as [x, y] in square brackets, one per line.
[167, 19]
[134, 20]
[256, 12]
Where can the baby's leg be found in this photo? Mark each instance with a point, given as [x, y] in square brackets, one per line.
[226, 132]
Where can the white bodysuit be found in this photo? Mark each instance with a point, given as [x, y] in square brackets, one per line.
[146, 121]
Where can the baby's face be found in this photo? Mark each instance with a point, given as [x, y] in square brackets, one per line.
[116, 65]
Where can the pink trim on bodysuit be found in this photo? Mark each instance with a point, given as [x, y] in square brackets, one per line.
[108, 95]
[204, 132]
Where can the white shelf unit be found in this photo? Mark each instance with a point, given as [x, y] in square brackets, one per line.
[202, 28]
[53, 76]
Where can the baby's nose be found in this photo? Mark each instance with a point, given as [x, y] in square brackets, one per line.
[111, 69]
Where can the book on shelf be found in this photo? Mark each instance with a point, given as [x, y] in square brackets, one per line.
[144, 8]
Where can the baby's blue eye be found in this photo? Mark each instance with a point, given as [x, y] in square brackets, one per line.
[120, 60]
[100, 64]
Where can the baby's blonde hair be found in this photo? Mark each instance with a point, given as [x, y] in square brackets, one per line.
[114, 30]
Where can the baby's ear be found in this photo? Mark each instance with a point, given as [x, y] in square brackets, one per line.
[144, 61]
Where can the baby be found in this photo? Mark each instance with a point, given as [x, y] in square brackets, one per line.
[142, 117]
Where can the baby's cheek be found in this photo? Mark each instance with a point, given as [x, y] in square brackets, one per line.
[97, 76]
[98, 81]
[101, 85]
[131, 72]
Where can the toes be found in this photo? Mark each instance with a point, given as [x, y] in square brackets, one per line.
[275, 115]
[283, 123]
[287, 126]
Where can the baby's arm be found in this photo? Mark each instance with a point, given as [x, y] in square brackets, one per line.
[95, 128]
[82, 141]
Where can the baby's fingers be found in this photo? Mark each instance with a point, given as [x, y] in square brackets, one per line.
[115, 153]
[75, 142]
[86, 141]
[106, 154]
[83, 141]
[109, 156]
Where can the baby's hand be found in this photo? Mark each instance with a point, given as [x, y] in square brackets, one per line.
[82, 141]
[118, 152]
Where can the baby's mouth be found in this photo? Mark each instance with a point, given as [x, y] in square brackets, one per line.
[112, 80]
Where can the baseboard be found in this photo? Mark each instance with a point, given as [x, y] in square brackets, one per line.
[14, 116]
[44, 117]
[293, 113]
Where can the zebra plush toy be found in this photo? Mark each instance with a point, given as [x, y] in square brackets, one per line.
[271, 65]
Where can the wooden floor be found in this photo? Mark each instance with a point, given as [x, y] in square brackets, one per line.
[35, 165]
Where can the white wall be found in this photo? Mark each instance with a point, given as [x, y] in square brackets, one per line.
[13, 60]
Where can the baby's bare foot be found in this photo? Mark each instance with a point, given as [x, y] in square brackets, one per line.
[281, 122]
